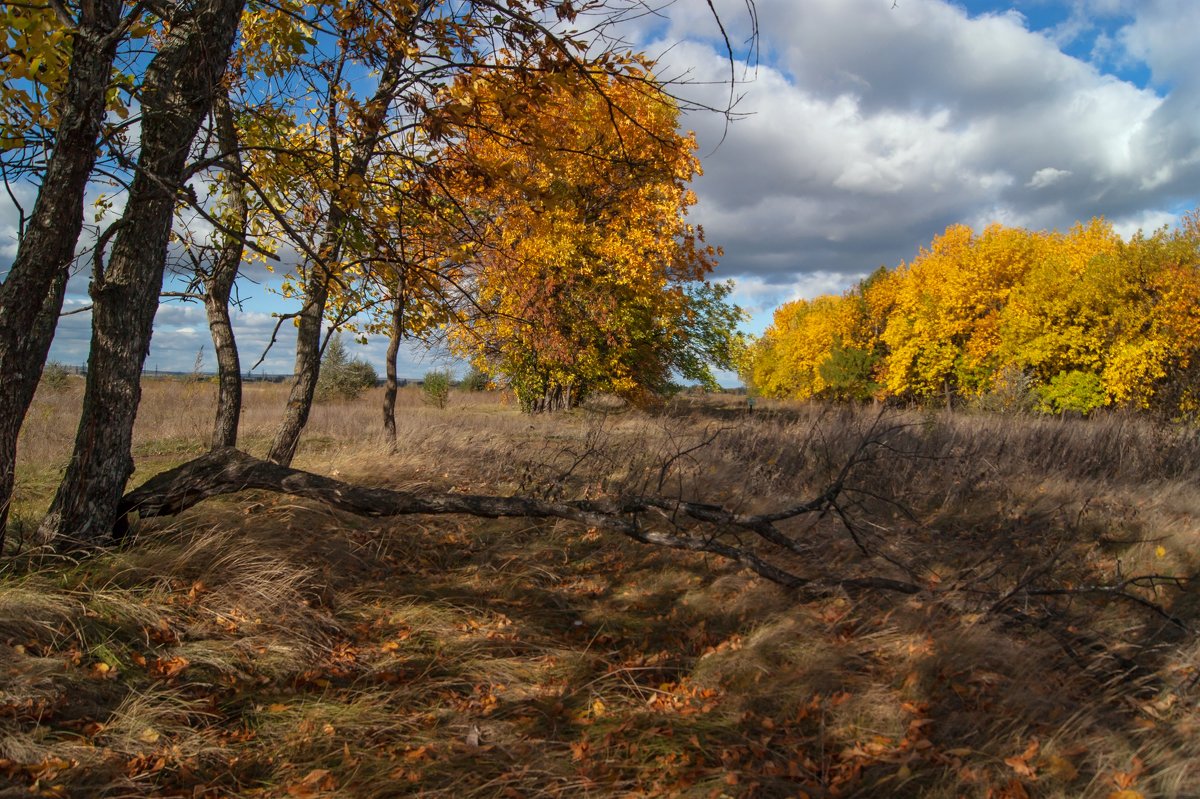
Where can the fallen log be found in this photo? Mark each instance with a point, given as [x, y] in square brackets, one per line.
[689, 525]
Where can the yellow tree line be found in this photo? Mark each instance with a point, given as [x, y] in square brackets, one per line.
[1007, 318]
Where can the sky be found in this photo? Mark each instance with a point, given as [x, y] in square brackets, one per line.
[864, 129]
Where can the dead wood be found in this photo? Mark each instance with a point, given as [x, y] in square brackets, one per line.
[660, 521]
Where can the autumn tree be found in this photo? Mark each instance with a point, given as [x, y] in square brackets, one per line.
[58, 83]
[586, 274]
[337, 84]
[177, 90]
[943, 336]
[1070, 321]
[1102, 321]
[829, 347]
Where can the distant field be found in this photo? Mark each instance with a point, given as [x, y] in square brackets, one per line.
[262, 645]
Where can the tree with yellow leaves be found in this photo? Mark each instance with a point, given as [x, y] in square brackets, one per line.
[587, 276]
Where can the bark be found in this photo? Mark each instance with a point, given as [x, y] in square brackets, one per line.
[220, 284]
[32, 294]
[308, 368]
[390, 386]
[178, 90]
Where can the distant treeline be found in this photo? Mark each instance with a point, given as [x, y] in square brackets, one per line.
[249, 377]
[1006, 319]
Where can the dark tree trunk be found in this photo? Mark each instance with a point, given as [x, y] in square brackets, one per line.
[308, 368]
[220, 284]
[554, 398]
[32, 294]
[393, 350]
[180, 84]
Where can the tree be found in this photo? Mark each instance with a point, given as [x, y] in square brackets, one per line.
[180, 84]
[320, 147]
[342, 377]
[943, 336]
[57, 78]
[586, 275]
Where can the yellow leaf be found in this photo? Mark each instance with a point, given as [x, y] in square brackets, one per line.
[1160, 551]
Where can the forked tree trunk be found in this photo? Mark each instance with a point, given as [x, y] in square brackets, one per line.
[316, 294]
[316, 288]
[32, 294]
[180, 84]
[220, 284]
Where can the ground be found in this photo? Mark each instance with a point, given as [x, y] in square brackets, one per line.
[261, 645]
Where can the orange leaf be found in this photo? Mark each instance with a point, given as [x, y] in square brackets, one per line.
[1021, 767]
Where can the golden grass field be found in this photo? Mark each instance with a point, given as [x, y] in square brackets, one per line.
[261, 645]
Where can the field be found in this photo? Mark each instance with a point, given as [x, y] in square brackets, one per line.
[263, 645]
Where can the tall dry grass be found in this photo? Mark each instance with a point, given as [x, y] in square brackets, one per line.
[262, 645]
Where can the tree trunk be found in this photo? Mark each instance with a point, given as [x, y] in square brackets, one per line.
[178, 90]
[390, 385]
[220, 284]
[316, 288]
[308, 368]
[393, 351]
[32, 294]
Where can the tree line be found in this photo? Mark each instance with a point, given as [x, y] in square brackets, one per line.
[1005, 319]
[506, 177]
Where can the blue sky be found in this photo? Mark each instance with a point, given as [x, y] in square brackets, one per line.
[869, 127]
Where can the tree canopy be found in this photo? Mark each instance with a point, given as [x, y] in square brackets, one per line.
[1081, 320]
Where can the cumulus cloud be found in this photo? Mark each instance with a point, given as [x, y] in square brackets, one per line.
[870, 128]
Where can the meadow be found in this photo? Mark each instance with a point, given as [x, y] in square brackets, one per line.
[264, 645]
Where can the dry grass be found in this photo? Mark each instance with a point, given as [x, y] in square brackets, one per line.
[263, 646]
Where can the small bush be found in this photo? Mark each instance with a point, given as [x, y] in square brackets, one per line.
[55, 377]
[1073, 392]
[342, 377]
[1012, 392]
[475, 380]
[435, 390]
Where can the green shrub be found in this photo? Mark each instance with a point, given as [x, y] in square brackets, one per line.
[55, 377]
[435, 390]
[342, 377]
[474, 380]
[1073, 392]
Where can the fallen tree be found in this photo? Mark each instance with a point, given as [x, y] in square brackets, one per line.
[689, 526]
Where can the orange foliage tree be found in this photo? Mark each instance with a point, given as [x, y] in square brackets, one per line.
[586, 275]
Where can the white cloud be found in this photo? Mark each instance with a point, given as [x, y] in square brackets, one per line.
[871, 128]
[1047, 176]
